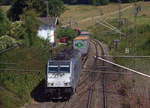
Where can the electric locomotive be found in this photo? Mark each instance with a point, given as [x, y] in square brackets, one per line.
[63, 74]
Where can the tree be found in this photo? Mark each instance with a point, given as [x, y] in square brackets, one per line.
[40, 7]
[104, 2]
[16, 9]
[66, 32]
[98, 2]
[17, 30]
[31, 25]
[4, 23]
[56, 7]
[6, 2]
[7, 41]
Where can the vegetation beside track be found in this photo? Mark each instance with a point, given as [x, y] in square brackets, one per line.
[16, 85]
[131, 82]
[22, 68]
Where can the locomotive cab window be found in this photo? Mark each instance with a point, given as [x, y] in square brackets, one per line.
[53, 68]
[65, 68]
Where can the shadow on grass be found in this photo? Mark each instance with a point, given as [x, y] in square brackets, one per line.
[39, 94]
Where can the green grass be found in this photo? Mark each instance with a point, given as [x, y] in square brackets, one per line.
[21, 83]
[17, 85]
[5, 8]
[81, 12]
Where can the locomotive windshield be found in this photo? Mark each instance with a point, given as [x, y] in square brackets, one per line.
[53, 68]
[64, 68]
[59, 68]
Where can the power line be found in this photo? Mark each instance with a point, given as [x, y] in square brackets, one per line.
[137, 9]
[123, 67]
[119, 17]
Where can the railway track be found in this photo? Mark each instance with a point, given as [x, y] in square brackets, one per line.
[91, 91]
[93, 76]
[103, 90]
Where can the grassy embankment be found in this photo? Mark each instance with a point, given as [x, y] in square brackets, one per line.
[16, 85]
[82, 12]
[138, 84]
[16, 82]
[19, 86]
[134, 88]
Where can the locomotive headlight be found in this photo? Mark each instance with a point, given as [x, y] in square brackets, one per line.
[51, 84]
[67, 83]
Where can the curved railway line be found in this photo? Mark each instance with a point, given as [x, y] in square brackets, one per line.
[93, 76]
[91, 90]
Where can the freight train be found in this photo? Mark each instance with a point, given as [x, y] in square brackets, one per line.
[63, 70]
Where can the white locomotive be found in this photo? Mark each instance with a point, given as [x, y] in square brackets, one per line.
[63, 74]
[63, 69]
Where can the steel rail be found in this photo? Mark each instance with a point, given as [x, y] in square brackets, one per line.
[92, 79]
[123, 56]
[104, 77]
[90, 95]
[96, 43]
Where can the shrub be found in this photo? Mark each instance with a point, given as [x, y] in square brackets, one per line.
[4, 23]
[7, 41]
[66, 32]
[17, 30]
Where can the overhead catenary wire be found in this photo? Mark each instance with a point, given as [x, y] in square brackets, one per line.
[112, 28]
[111, 25]
[131, 70]
[100, 16]
[124, 56]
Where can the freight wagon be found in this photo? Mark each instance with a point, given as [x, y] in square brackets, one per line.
[81, 43]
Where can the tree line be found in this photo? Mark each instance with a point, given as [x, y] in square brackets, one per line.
[92, 2]
[98, 2]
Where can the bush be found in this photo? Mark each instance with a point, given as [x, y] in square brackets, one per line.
[4, 23]
[17, 30]
[31, 24]
[7, 41]
[66, 32]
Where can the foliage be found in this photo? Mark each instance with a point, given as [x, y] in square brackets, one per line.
[4, 23]
[17, 30]
[104, 2]
[56, 7]
[17, 86]
[70, 1]
[20, 84]
[7, 2]
[98, 2]
[16, 10]
[31, 25]
[7, 41]
[40, 7]
[66, 32]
